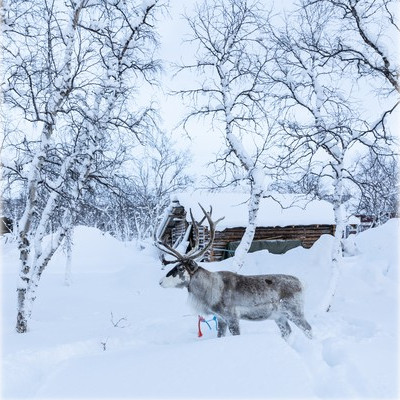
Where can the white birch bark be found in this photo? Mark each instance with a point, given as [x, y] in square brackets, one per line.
[248, 236]
[337, 253]
[256, 176]
[68, 262]
[33, 259]
[329, 143]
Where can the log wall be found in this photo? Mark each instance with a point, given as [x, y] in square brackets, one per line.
[307, 234]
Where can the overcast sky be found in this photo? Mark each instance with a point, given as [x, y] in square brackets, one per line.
[173, 29]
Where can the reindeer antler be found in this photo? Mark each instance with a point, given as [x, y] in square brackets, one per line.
[195, 252]
[167, 249]
[167, 262]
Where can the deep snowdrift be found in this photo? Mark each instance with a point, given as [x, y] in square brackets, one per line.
[115, 333]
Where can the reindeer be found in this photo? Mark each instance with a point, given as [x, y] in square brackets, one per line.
[231, 296]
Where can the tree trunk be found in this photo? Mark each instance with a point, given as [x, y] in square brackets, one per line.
[26, 298]
[22, 319]
[337, 253]
[68, 264]
[247, 239]
[29, 279]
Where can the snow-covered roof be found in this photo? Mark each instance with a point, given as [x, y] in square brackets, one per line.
[276, 210]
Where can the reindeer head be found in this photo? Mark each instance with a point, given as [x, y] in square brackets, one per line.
[186, 266]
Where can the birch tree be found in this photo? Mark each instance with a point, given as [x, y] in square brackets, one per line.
[160, 171]
[71, 71]
[377, 176]
[366, 38]
[230, 60]
[322, 121]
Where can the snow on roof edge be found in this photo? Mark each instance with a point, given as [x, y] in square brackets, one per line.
[275, 210]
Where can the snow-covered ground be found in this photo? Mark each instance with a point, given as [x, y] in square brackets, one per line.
[73, 349]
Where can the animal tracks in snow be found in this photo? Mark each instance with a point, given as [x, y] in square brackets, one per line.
[332, 356]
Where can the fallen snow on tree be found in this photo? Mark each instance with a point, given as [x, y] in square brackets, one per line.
[115, 333]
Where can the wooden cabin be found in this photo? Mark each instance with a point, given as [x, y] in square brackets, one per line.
[284, 222]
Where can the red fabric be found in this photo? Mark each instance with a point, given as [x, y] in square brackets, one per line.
[200, 320]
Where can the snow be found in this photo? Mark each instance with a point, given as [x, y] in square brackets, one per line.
[234, 206]
[73, 349]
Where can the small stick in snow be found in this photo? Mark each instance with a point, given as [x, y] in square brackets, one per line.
[116, 324]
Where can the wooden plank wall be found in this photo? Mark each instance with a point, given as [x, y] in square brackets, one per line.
[308, 234]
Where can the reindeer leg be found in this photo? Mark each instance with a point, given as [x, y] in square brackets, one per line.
[298, 319]
[233, 326]
[303, 325]
[283, 327]
[222, 325]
